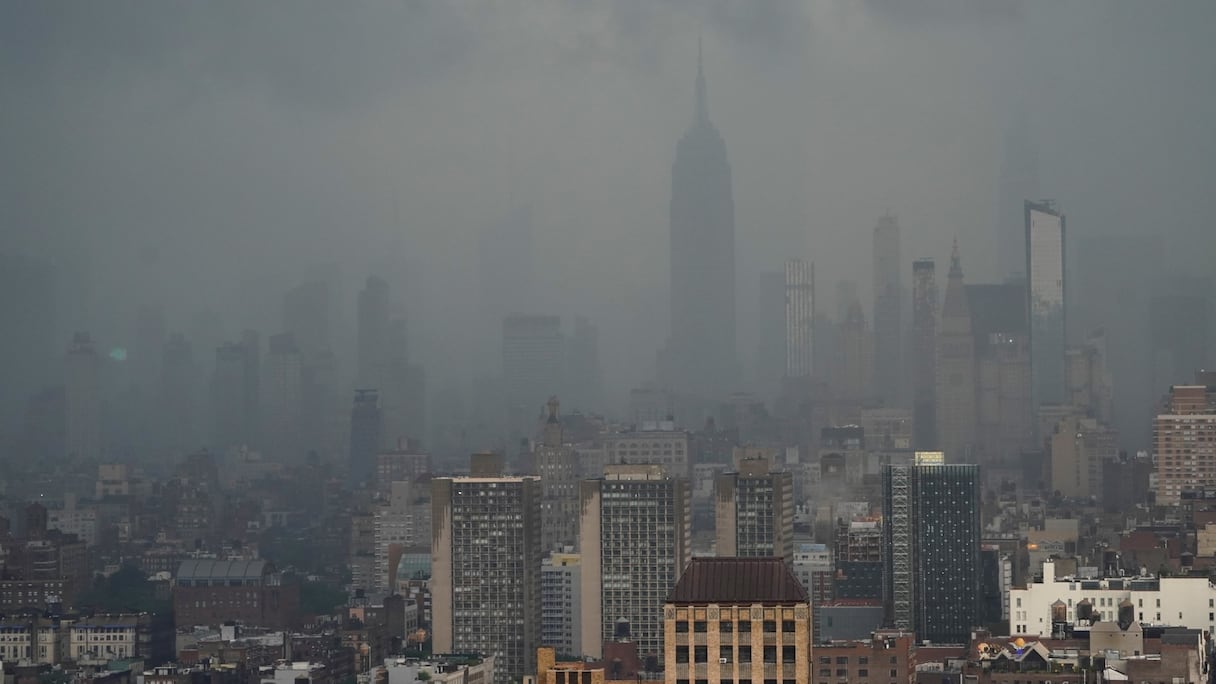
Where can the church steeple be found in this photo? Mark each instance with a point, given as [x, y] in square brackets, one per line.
[702, 106]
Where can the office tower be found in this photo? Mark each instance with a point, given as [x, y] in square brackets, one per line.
[635, 537]
[888, 311]
[754, 511]
[1046, 302]
[366, 422]
[557, 465]
[855, 366]
[814, 567]
[1019, 180]
[533, 365]
[799, 313]
[282, 398]
[738, 620]
[306, 309]
[234, 393]
[584, 380]
[931, 516]
[561, 614]
[1079, 448]
[176, 396]
[82, 399]
[769, 328]
[956, 369]
[924, 354]
[1184, 435]
[1004, 414]
[701, 358]
[373, 332]
[486, 570]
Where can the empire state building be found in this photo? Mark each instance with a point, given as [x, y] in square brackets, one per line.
[701, 359]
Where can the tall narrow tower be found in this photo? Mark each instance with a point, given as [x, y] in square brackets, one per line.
[956, 369]
[701, 357]
[799, 312]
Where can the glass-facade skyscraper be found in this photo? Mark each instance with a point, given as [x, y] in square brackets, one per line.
[931, 582]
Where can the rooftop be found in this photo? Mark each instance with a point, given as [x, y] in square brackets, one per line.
[738, 580]
[211, 569]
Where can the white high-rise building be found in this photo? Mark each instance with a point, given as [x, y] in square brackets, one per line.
[560, 596]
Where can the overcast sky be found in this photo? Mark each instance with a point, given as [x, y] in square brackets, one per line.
[207, 155]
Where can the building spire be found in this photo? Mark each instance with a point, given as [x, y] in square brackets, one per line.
[702, 107]
[956, 266]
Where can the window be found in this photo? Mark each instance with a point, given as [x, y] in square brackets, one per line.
[726, 627]
[725, 654]
[745, 626]
[788, 654]
[745, 654]
[825, 672]
[699, 626]
[787, 626]
[770, 654]
[681, 654]
[863, 660]
[863, 672]
[825, 660]
[1019, 602]
[842, 660]
[681, 626]
[894, 673]
[770, 626]
[700, 654]
[842, 672]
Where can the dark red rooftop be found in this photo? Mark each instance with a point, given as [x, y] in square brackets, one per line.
[738, 580]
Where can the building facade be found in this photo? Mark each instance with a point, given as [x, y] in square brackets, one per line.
[1046, 301]
[799, 313]
[737, 620]
[1185, 442]
[754, 511]
[486, 569]
[931, 516]
[635, 536]
[557, 465]
[956, 400]
[561, 613]
[924, 354]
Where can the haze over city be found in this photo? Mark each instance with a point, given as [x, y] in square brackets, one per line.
[557, 342]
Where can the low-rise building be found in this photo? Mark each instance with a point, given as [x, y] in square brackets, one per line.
[212, 592]
[1042, 608]
[884, 657]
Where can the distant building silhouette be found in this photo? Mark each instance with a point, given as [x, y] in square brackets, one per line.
[701, 357]
[82, 384]
[956, 411]
[1046, 300]
[799, 313]
[924, 354]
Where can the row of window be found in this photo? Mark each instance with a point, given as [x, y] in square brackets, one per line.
[728, 626]
[727, 654]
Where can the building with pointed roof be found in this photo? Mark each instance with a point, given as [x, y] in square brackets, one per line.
[956, 398]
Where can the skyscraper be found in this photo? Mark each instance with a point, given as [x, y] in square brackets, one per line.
[1045, 294]
[931, 517]
[924, 354]
[365, 436]
[177, 389]
[635, 537]
[799, 312]
[1004, 415]
[888, 314]
[557, 464]
[754, 511]
[486, 570]
[82, 386]
[956, 369]
[701, 357]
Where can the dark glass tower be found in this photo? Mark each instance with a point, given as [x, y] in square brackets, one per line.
[931, 582]
[701, 357]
